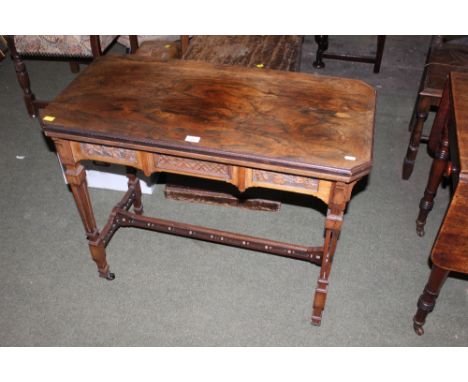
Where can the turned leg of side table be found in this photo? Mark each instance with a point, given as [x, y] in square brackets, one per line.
[422, 111]
[427, 300]
[76, 178]
[339, 197]
[439, 165]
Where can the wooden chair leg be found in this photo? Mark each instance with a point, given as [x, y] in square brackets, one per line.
[421, 116]
[380, 50]
[23, 78]
[322, 46]
[184, 43]
[95, 42]
[427, 300]
[74, 66]
[133, 43]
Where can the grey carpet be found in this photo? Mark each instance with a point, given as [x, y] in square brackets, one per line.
[172, 291]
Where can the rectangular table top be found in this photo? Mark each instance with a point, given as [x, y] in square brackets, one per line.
[295, 120]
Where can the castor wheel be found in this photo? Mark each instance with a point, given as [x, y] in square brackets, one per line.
[108, 275]
[418, 329]
[316, 321]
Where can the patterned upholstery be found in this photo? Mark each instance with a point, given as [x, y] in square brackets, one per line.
[125, 41]
[57, 45]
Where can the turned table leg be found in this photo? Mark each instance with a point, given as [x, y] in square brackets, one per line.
[439, 165]
[76, 178]
[340, 195]
[422, 111]
[427, 300]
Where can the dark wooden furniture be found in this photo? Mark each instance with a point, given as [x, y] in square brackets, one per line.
[268, 52]
[3, 47]
[159, 49]
[442, 59]
[450, 138]
[322, 47]
[248, 127]
[75, 50]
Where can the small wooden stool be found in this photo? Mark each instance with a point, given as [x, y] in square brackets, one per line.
[442, 59]
[322, 46]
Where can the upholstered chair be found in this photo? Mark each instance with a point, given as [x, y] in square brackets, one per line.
[160, 47]
[73, 48]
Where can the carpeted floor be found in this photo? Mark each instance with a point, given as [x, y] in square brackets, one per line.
[171, 291]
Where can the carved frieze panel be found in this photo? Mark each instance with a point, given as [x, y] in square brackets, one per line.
[274, 178]
[108, 152]
[192, 166]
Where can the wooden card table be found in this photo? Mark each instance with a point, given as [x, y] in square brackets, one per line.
[248, 127]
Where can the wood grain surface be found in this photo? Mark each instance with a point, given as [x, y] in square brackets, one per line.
[271, 52]
[321, 125]
[450, 250]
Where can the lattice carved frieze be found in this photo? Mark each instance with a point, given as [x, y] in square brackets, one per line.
[192, 166]
[108, 152]
[270, 177]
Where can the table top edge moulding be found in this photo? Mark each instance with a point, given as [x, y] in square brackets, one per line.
[240, 114]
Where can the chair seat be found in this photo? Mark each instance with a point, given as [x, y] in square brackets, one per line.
[53, 45]
[269, 52]
[450, 54]
[159, 49]
[443, 60]
[436, 76]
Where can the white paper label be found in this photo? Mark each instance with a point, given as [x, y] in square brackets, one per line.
[349, 157]
[191, 138]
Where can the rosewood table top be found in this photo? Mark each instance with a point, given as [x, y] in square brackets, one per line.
[322, 126]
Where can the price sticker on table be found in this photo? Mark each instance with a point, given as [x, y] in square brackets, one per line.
[192, 138]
